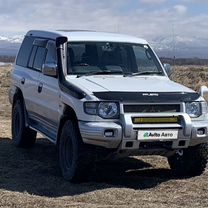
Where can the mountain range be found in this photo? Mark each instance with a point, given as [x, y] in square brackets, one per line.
[179, 47]
[10, 45]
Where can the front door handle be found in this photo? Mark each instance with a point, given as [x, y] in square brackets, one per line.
[40, 87]
[23, 80]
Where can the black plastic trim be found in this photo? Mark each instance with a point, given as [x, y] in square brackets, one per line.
[43, 125]
[63, 84]
[151, 108]
[145, 97]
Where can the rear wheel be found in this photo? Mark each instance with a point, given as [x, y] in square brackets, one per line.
[22, 135]
[75, 157]
[191, 162]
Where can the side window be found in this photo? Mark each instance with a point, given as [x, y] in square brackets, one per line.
[38, 54]
[32, 56]
[24, 52]
[39, 58]
[51, 56]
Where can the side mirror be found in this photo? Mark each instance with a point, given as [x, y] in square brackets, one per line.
[203, 91]
[168, 68]
[50, 69]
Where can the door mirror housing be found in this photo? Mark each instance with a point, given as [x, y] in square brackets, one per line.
[168, 68]
[50, 69]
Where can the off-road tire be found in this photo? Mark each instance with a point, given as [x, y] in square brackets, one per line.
[22, 136]
[75, 157]
[192, 163]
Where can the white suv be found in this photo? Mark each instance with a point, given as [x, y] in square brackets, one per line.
[97, 95]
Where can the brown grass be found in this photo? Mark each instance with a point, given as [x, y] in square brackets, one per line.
[191, 76]
[31, 178]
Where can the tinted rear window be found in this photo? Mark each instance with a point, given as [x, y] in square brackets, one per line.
[31, 60]
[24, 52]
[39, 58]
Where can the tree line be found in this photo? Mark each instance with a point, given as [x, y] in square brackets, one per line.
[171, 61]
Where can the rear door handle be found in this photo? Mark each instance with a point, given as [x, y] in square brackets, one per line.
[40, 87]
[23, 80]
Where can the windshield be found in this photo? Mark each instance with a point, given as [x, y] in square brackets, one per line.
[88, 58]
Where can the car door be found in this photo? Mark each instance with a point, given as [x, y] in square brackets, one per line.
[27, 75]
[37, 57]
[48, 95]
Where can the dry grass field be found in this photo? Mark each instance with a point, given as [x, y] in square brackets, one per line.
[31, 178]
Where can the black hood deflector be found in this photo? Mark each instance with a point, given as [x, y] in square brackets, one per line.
[145, 97]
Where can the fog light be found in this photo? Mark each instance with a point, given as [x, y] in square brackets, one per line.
[201, 131]
[109, 133]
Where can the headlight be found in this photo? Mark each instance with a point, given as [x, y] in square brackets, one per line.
[193, 109]
[107, 110]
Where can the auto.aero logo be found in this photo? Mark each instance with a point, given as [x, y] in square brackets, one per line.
[146, 134]
[151, 134]
[157, 135]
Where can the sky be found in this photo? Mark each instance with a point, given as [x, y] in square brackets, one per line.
[150, 19]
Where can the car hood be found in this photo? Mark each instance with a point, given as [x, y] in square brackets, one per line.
[127, 84]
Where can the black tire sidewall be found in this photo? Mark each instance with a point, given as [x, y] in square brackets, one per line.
[68, 136]
[191, 163]
[18, 113]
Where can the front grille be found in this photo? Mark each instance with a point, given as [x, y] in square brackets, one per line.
[149, 108]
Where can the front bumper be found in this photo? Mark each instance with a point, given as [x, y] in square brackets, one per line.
[94, 133]
[124, 136]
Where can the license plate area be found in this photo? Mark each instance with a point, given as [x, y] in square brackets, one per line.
[157, 134]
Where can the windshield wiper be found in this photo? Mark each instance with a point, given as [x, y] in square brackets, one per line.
[144, 73]
[100, 73]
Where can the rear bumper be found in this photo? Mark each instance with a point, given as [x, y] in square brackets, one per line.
[124, 137]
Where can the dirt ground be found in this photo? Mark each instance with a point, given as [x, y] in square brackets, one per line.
[31, 178]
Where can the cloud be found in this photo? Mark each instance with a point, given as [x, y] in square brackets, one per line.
[181, 9]
[124, 16]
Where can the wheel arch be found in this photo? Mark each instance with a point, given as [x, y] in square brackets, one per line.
[68, 114]
[18, 95]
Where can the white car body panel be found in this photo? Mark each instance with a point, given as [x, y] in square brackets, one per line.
[48, 105]
[119, 83]
[76, 36]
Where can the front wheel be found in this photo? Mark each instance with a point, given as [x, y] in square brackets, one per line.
[75, 157]
[191, 162]
[22, 135]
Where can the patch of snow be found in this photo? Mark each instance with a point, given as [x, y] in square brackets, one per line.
[4, 64]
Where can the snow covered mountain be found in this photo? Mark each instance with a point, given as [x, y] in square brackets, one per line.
[10, 45]
[180, 47]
